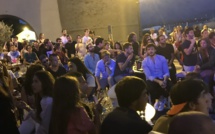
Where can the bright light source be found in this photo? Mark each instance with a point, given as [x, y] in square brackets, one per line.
[25, 29]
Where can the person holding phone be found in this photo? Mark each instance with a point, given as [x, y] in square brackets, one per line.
[189, 50]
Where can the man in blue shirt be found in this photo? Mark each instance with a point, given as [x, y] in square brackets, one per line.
[157, 73]
[91, 58]
[105, 68]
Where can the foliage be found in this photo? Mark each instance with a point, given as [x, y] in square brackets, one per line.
[5, 32]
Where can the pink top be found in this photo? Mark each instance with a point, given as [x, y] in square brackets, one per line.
[80, 123]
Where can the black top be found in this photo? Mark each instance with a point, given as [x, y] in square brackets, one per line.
[97, 51]
[36, 51]
[121, 58]
[7, 118]
[70, 46]
[165, 51]
[61, 71]
[135, 48]
[124, 121]
[44, 50]
[189, 60]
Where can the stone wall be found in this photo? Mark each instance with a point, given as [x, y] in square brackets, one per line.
[42, 15]
[122, 15]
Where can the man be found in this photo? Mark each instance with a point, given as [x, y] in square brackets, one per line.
[16, 43]
[86, 39]
[70, 47]
[91, 59]
[192, 123]
[99, 46]
[105, 68]
[30, 57]
[36, 48]
[64, 36]
[167, 51]
[132, 96]
[56, 69]
[188, 95]
[157, 73]
[124, 63]
[44, 61]
[189, 50]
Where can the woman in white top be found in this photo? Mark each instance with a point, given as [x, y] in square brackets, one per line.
[42, 86]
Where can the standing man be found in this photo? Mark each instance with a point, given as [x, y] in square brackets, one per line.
[124, 63]
[99, 46]
[91, 58]
[16, 43]
[105, 68]
[86, 39]
[64, 36]
[157, 73]
[70, 47]
[189, 50]
[167, 51]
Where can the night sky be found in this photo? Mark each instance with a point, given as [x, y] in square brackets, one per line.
[173, 12]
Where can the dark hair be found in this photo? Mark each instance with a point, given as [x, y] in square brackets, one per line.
[51, 56]
[42, 56]
[80, 66]
[87, 47]
[145, 39]
[188, 30]
[129, 89]
[211, 35]
[99, 40]
[58, 39]
[47, 82]
[130, 37]
[29, 77]
[46, 41]
[150, 45]
[65, 102]
[158, 38]
[120, 46]
[126, 45]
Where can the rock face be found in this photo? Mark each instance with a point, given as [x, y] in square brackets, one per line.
[122, 15]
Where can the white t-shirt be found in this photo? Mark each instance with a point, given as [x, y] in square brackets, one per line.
[86, 39]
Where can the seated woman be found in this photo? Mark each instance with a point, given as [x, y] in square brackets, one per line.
[42, 85]
[76, 65]
[68, 116]
[30, 57]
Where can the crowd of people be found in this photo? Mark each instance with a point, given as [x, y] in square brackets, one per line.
[59, 91]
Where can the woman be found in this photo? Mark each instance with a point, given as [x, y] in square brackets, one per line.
[118, 49]
[42, 85]
[76, 65]
[68, 116]
[7, 117]
[27, 91]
